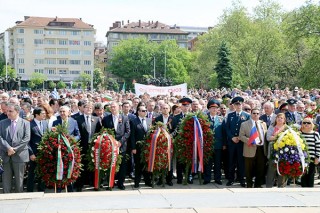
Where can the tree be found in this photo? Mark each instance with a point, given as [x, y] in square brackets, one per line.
[98, 78]
[11, 71]
[84, 80]
[52, 85]
[61, 85]
[223, 67]
[38, 78]
[113, 85]
[31, 84]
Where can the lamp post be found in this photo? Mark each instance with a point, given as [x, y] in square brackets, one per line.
[154, 66]
[165, 64]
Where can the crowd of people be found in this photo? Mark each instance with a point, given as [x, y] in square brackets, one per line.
[26, 116]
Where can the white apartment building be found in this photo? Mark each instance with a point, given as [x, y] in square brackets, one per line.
[60, 48]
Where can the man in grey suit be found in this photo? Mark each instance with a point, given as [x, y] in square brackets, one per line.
[14, 139]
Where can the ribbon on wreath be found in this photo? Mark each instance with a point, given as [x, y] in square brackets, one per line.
[197, 154]
[60, 166]
[115, 153]
[97, 151]
[153, 148]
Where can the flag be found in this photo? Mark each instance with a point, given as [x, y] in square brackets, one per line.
[107, 98]
[254, 136]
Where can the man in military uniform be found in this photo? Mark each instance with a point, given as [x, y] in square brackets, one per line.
[292, 116]
[235, 147]
[185, 107]
[216, 126]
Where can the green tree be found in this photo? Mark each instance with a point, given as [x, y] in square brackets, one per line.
[11, 71]
[223, 67]
[31, 84]
[38, 78]
[61, 85]
[84, 80]
[52, 85]
[113, 85]
[98, 78]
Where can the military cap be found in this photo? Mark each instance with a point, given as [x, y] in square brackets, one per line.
[226, 96]
[185, 101]
[292, 101]
[237, 99]
[213, 102]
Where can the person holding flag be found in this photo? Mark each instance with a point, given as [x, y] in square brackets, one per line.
[253, 135]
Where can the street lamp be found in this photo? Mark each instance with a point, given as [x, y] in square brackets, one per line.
[154, 66]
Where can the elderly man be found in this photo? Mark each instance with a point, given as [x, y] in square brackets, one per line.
[14, 139]
[268, 117]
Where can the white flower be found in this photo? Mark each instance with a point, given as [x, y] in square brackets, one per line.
[281, 151]
[292, 151]
[277, 156]
[286, 149]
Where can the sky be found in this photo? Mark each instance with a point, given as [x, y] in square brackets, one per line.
[102, 13]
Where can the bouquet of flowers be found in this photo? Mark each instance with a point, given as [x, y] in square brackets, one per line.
[59, 158]
[104, 157]
[194, 142]
[157, 151]
[290, 154]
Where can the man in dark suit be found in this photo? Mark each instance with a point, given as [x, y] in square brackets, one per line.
[150, 108]
[268, 117]
[185, 107]
[88, 126]
[98, 111]
[139, 129]
[216, 125]
[235, 147]
[38, 126]
[121, 126]
[4, 106]
[14, 139]
[81, 104]
[70, 123]
[165, 117]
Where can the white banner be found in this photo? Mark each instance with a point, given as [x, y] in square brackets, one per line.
[180, 89]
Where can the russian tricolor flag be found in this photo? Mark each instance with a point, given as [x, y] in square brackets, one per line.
[254, 136]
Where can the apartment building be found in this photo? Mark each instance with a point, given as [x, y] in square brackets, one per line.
[60, 48]
[152, 31]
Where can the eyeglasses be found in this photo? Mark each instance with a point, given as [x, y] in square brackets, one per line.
[255, 113]
[142, 110]
[306, 123]
[312, 105]
[247, 109]
[223, 108]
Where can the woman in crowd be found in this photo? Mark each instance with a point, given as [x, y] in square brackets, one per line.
[313, 141]
[279, 126]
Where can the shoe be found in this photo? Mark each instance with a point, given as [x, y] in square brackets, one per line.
[136, 185]
[79, 189]
[242, 184]
[230, 183]
[190, 181]
[179, 181]
[149, 184]
[159, 183]
[219, 182]
[121, 187]
[206, 182]
[169, 183]
[108, 188]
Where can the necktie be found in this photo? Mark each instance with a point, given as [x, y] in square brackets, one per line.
[13, 128]
[293, 118]
[144, 124]
[88, 125]
[268, 120]
[115, 122]
[261, 137]
[41, 127]
[150, 115]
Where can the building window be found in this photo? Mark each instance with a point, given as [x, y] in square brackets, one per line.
[87, 43]
[20, 40]
[20, 60]
[51, 71]
[75, 72]
[62, 51]
[38, 31]
[21, 71]
[87, 62]
[75, 32]
[49, 32]
[62, 32]
[63, 72]
[87, 33]
[154, 36]
[20, 51]
[38, 41]
[39, 61]
[50, 51]
[51, 61]
[38, 52]
[115, 35]
[76, 62]
[38, 70]
[87, 72]
[50, 41]
[86, 52]
[62, 61]
[74, 42]
[75, 52]
[63, 42]
[20, 30]
[182, 45]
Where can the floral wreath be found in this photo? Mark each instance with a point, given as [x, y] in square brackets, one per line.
[193, 126]
[59, 158]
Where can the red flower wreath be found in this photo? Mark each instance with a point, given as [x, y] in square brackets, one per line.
[48, 161]
[185, 139]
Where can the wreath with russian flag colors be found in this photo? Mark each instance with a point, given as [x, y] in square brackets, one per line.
[157, 151]
[104, 157]
[194, 143]
[58, 158]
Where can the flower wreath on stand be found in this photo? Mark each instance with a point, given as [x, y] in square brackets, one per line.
[157, 151]
[59, 158]
[104, 157]
[194, 143]
[290, 154]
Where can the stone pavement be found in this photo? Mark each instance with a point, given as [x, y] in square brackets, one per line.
[177, 199]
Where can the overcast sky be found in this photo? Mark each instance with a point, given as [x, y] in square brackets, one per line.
[102, 13]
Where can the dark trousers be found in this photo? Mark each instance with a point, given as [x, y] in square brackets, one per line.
[236, 158]
[32, 177]
[121, 175]
[139, 170]
[225, 162]
[86, 177]
[217, 164]
[255, 166]
[307, 180]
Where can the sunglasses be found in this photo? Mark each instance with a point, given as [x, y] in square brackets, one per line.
[306, 123]
[247, 109]
[255, 113]
[142, 110]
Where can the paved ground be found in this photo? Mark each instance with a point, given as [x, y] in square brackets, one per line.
[179, 198]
